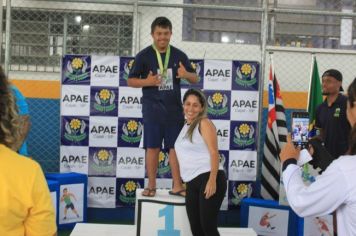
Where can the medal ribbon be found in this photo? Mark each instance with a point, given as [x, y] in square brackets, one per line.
[163, 69]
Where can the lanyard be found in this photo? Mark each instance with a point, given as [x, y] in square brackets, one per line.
[163, 69]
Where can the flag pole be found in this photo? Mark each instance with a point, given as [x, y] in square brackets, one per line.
[271, 63]
[310, 80]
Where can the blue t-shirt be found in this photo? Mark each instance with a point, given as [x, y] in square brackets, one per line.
[163, 106]
[23, 111]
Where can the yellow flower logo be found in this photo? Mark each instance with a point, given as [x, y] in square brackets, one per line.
[161, 157]
[75, 124]
[130, 186]
[104, 94]
[246, 69]
[77, 63]
[103, 155]
[244, 129]
[132, 125]
[242, 188]
[130, 64]
[194, 66]
[217, 98]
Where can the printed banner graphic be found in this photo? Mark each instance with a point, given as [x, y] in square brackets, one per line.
[267, 221]
[102, 127]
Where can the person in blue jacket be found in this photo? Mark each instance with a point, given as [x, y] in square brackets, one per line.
[24, 114]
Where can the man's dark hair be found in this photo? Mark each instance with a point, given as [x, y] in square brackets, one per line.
[162, 22]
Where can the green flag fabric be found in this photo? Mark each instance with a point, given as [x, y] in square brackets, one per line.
[315, 97]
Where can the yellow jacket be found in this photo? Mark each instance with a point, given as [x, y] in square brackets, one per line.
[26, 207]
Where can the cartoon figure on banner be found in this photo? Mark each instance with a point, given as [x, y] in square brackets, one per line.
[322, 225]
[163, 164]
[217, 104]
[127, 68]
[265, 222]
[240, 192]
[132, 131]
[66, 198]
[104, 100]
[75, 130]
[246, 76]
[244, 135]
[128, 191]
[76, 70]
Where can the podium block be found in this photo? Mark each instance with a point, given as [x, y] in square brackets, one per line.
[53, 187]
[268, 218]
[71, 198]
[163, 215]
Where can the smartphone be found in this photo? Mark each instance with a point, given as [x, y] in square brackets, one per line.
[300, 128]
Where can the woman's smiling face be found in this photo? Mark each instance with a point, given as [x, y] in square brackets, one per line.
[192, 108]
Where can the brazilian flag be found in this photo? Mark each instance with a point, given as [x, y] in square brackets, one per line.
[315, 97]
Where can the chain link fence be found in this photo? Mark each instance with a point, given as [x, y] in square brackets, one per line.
[36, 34]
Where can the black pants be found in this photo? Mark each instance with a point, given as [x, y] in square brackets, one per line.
[203, 213]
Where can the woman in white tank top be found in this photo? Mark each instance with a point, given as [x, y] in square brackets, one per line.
[198, 157]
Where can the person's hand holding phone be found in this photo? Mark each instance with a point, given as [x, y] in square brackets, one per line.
[289, 151]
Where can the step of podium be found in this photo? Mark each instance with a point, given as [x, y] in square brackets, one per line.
[87, 229]
[165, 214]
[162, 215]
[161, 195]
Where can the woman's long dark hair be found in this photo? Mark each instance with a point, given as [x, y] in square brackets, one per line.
[201, 97]
[351, 93]
[9, 118]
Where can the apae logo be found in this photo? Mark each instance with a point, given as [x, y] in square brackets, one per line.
[105, 69]
[104, 100]
[245, 104]
[127, 192]
[130, 100]
[196, 67]
[222, 161]
[243, 135]
[246, 164]
[246, 75]
[102, 190]
[75, 130]
[217, 73]
[74, 159]
[131, 160]
[163, 164]
[75, 98]
[217, 104]
[127, 67]
[76, 69]
[103, 161]
[223, 133]
[240, 192]
[132, 131]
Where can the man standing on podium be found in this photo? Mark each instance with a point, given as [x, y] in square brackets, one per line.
[158, 69]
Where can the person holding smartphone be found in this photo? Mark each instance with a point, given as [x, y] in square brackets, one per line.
[334, 189]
